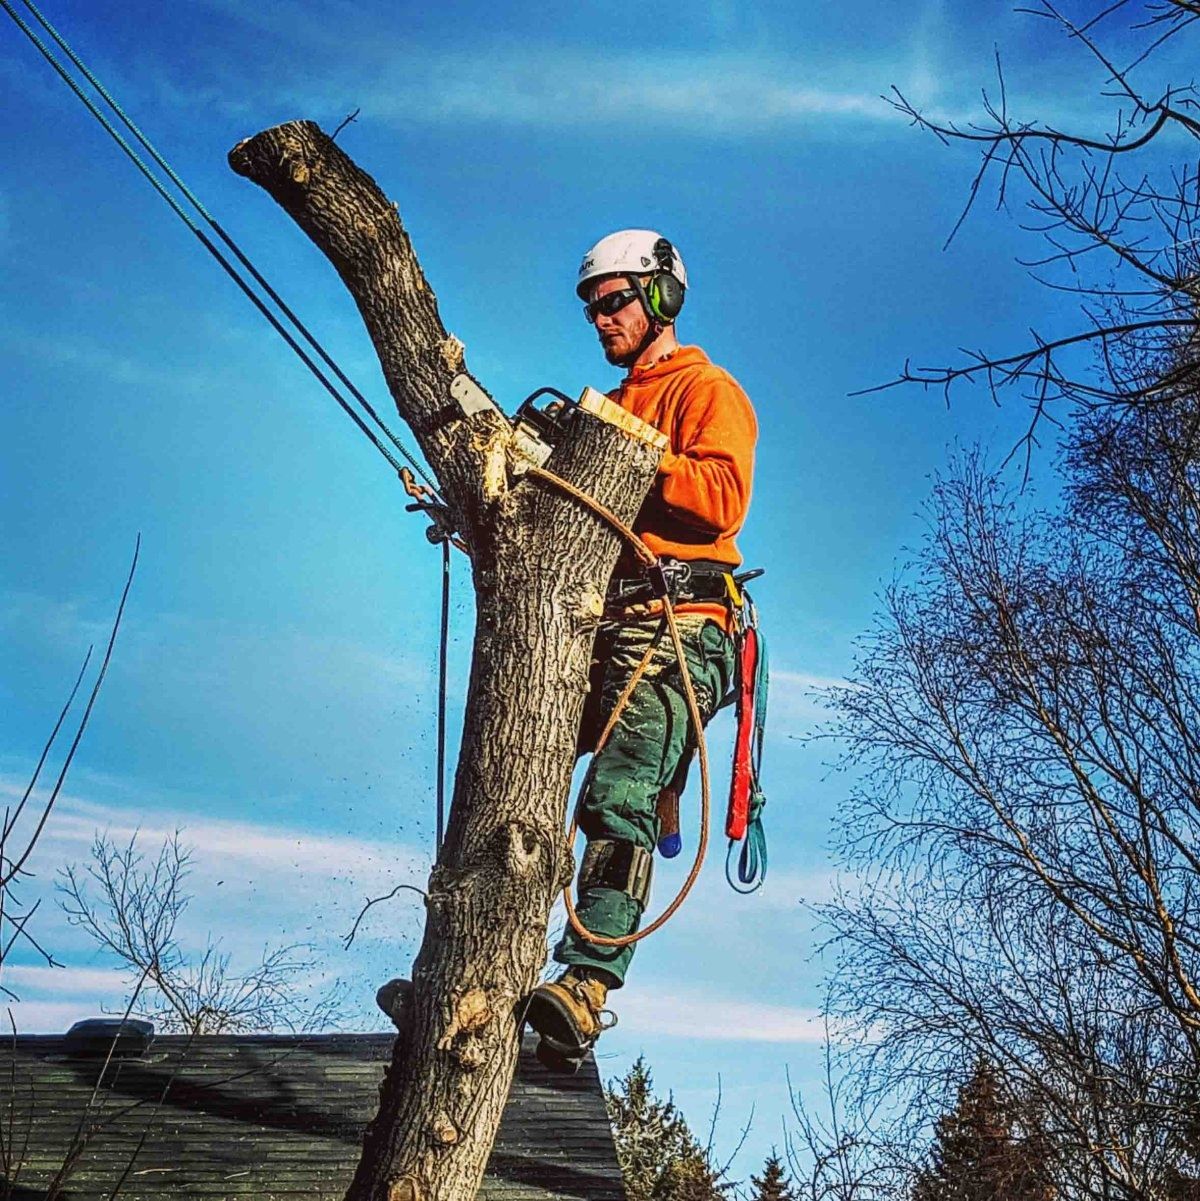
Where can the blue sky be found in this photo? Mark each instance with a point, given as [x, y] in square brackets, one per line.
[272, 690]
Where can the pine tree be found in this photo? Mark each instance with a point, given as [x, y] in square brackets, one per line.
[660, 1158]
[773, 1184]
[978, 1154]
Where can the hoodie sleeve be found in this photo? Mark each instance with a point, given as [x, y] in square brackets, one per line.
[704, 480]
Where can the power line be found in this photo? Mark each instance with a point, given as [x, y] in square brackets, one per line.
[207, 242]
[259, 304]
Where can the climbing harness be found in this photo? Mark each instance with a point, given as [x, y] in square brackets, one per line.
[702, 581]
[661, 578]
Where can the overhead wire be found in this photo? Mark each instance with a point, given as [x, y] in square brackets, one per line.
[207, 242]
[231, 270]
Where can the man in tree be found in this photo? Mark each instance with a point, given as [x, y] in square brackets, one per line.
[633, 284]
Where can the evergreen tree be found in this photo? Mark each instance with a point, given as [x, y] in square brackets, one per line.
[978, 1153]
[660, 1158]
[773, 1184]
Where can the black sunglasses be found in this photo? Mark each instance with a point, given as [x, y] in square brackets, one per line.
[608, 304]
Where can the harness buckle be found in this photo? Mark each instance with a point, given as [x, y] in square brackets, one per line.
[669, 577]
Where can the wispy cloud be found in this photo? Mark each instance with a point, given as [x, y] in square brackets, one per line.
[675, 1012]
[547, 84]
[182, 683]
[554, 88]
[799, 700]
[61, 981]
[82, 356]
[224, 847]
[253, 884]
[46, 1017]
[807, 680]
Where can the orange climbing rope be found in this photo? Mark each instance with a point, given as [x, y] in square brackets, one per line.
[651, 560]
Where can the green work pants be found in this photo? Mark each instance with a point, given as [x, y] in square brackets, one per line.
[639, 760]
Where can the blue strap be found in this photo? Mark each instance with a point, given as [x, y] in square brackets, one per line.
[751, 860]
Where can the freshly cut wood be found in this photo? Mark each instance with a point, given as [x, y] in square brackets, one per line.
[608, 410]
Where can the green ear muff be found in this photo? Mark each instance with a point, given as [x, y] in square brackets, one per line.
[664, 295]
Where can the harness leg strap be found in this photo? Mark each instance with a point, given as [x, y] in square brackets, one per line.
[618, 864]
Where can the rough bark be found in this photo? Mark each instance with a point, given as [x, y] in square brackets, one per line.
[540, 564]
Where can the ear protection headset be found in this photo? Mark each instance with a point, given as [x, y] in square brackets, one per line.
[663, 295]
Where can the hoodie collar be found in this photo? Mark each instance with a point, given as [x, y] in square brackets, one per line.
[683, 356]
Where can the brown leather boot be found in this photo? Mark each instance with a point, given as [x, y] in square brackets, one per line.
[569, 1014]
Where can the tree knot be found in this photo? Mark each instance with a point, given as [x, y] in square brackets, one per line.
[404, 1189]
[471, 1015]
[443, 1131]
[522, 848]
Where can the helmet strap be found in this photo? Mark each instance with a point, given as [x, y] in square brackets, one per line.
[656, 326]
[636, 284]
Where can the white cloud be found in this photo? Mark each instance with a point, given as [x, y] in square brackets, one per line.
[566, 88]
[83, 356]
[798, 700]
[265, 704]
[295, 861]
[806, 680]
[253, 885]
[46, 1017]
[551, 85]
[60, 981]
[225, 847]
[675, 1012]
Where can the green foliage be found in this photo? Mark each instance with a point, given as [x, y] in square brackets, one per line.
[773, 1184]
[661, 1160]
[983, 1151]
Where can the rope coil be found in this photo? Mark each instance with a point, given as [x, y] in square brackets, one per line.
[693, 706]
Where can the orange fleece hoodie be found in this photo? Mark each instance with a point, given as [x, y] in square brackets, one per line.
[699, 500]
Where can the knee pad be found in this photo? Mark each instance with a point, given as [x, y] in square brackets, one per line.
[615, 863]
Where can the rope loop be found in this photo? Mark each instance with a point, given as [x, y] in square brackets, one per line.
[651, 560]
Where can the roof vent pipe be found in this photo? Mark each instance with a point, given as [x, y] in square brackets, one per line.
[95, 1038]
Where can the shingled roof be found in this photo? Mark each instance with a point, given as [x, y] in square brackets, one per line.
[269, 1117]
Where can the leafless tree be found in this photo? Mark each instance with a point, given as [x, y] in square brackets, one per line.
[840, 1148]
[20, 833]
[1022, 837]
[1027, 819]
[1118, 219]
[131, 907]
[24, 823]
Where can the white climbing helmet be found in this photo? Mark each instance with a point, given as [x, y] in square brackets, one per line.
[630, 252]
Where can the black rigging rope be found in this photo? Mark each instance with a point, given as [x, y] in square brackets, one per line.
[231, 270]
[443, 655]
[208, 244]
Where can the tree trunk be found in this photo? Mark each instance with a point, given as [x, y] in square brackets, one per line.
[540, 564]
